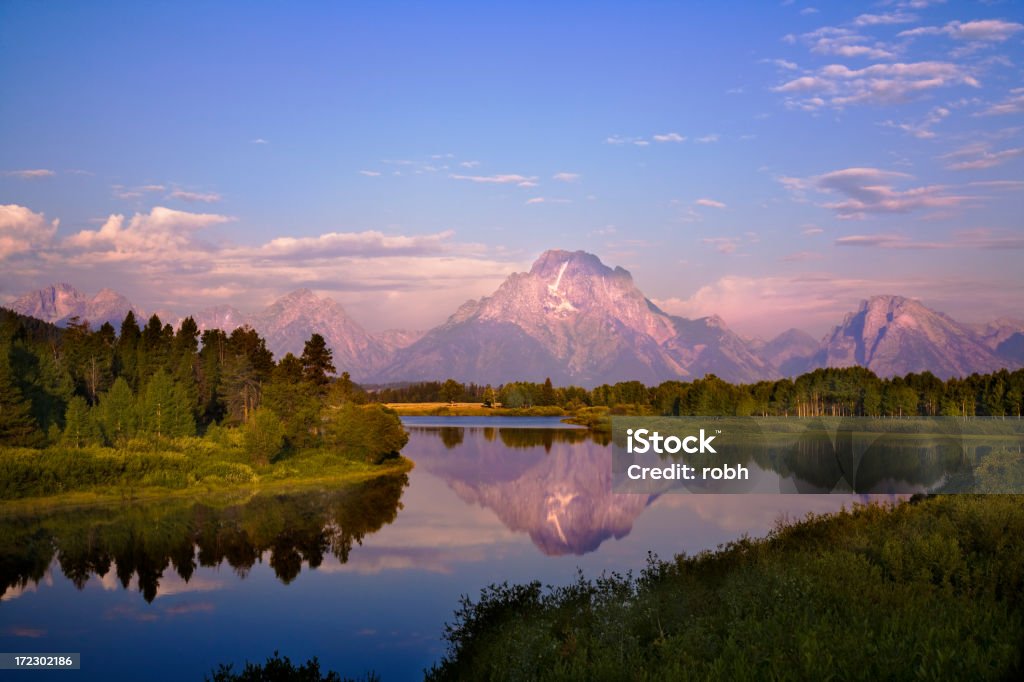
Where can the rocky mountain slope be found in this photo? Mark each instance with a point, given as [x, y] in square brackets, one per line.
[892, 335]
[288, 322]
[575, 320]
[789, 352]
[58, 303]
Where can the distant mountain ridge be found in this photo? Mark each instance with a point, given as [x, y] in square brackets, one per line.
[578, 321]
[59, 303]
[892, 335]
[288, 323]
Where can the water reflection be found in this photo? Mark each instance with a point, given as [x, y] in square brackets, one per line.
[554, 486]
[140, 543]
[828, 455]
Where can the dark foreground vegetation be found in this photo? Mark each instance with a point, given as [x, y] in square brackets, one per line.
[157, 408]
[278, 669]
[928, 590]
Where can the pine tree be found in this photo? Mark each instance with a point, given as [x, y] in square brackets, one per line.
[154, 349]
[126, 350]
[118, 415]
[17, 427]
[211, 366]
[240, 389]
[79, 425]
[317, 361]
[165, 411]
[547, 394]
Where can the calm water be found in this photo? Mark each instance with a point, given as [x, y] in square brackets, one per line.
[363, 577]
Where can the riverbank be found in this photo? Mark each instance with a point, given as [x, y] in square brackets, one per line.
[933, 588]
[472, 410]
[31, 479]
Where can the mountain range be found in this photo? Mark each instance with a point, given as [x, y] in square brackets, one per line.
[576, 320]
[60, 303]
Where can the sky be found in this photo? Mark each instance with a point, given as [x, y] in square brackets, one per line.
[773, 163]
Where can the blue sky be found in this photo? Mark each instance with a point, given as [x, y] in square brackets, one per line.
[770, 162]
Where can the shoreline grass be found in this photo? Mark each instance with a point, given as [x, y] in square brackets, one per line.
[929, 589]
[107, 476]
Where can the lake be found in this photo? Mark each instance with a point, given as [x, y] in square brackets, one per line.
[365, 576]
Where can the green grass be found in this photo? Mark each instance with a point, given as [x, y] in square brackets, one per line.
[927, 590]
[184, 466]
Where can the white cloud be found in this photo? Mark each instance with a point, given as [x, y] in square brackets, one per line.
[884, 19]
[1013, 104]
[162, 234]
[922, 129]
[162, 260]
[1009, 185]
[838, 86]
[31, 174]
[122, 192]
[782, 64]
[872, 191]
[547, 200]
[979, 238]
[200, 197]
[843, 42]
[505, 179]
[369, 173]
[566, 177]
[23, 230]
[258, 140]
[726, 245]
[707, 139]
[620, 140]
[469, 164]
[809, 10]
[669, 137]
[332, 244]
[886, 241]
[709, 203]
[985, 30]
[979, 156]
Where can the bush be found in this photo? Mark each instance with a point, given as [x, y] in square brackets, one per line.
[263, 436]
[370, 433]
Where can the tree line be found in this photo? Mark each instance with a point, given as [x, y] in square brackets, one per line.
[80, 386]
[845, 391]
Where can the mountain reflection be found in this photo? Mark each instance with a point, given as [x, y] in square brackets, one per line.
[556, 486]
[145, 541]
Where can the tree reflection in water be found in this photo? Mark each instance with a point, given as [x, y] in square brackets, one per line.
[143, 541]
